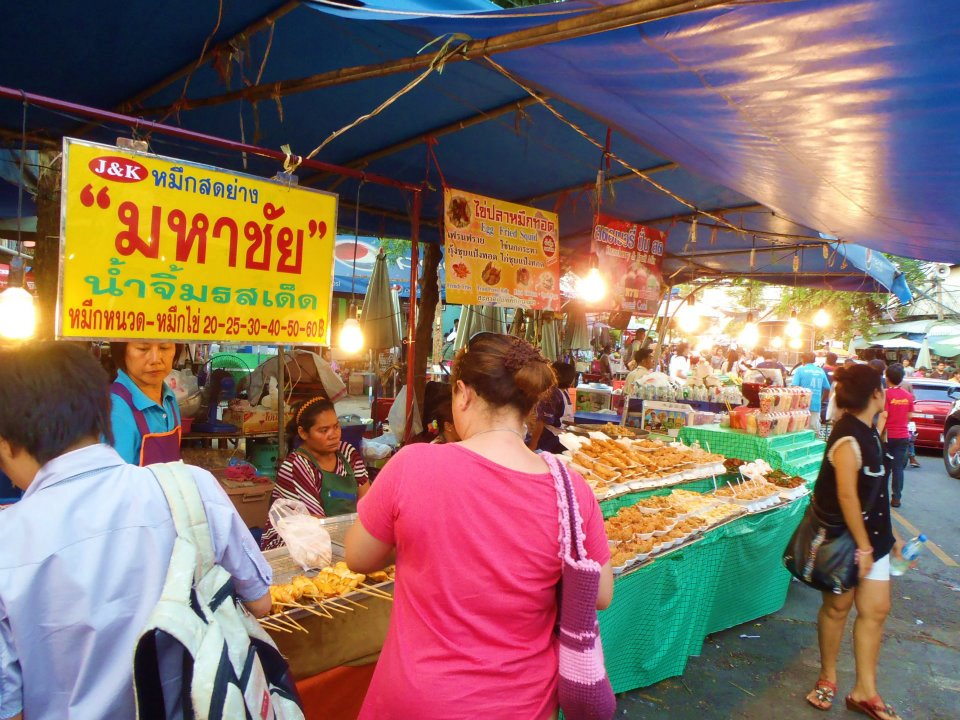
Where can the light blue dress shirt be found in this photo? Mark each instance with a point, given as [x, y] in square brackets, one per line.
[160, 419]
[85, 556]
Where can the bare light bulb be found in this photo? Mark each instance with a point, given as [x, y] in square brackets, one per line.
[793, 327]
[18, 314]
[688, 320]
[592, 288]
[796, 343]
[749, 336]
[777, 343]
[351, 336]
[821, 318]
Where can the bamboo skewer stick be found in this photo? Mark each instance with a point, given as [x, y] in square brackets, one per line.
[354, 602]
[283, 621]
[271, 626]
[334, 606]
[367, 591]
[290, 620]
[336, 603]
[376, 590]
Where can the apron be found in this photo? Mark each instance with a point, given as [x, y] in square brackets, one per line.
[154, 447]
[338, 493]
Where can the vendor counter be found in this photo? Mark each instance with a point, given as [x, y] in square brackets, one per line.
[796, 453]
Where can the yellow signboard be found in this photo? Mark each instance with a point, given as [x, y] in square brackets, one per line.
[500, 254]
[154, 248]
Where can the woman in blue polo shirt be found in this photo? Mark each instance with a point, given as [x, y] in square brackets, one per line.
[145, 415]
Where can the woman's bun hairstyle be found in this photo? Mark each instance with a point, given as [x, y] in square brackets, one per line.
[853, 386]
[505, 371]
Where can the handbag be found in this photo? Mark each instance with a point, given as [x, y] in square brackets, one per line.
[822, 553]
[583, 689]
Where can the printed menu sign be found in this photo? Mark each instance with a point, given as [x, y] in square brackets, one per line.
[630, 256]
[155, 248]
[500, 254]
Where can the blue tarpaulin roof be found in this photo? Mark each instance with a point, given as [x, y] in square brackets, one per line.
[811, 116]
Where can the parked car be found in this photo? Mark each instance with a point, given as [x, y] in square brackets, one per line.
[951, 429]
[933, 402]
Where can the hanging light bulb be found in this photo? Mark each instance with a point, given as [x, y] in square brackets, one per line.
[750, 335]
[821, 318]
[592, 288]
[688, 317]
[351, 334]
[777, 343]
[793, 328]
[796, 343]
[18, 314]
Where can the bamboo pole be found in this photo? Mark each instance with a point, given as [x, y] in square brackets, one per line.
[618, 17]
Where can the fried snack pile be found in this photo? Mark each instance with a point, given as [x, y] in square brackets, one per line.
[330, 582]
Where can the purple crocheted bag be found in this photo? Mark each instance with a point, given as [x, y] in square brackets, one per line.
[584, 690]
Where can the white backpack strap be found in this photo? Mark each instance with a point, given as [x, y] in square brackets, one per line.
[186, 506]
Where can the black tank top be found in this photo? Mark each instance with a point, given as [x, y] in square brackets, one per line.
[871, 483]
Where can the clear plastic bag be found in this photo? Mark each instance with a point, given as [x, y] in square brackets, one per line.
[306, 539]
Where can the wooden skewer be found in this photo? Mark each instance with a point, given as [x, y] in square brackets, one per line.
[291, 621]
[366, 591]
[313, 610]
[271, 626]
[354, 602]
[281, 620]
[376, 590]
[337, 604]
[333, 606]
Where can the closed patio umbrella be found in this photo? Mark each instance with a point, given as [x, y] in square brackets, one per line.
[379, 314]
[576, 334]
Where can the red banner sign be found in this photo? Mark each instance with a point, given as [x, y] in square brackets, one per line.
[630, 256]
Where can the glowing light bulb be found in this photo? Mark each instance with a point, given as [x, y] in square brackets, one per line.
[796, 343]
[777, 343]
[351, 336]
[592, 288]
[749, 336]
[688, 320]
[18, 314]
[821, 318]
[793, 327]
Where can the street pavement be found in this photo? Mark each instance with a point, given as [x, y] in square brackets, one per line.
[767, 677]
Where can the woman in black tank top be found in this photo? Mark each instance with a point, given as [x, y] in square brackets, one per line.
[851, 486]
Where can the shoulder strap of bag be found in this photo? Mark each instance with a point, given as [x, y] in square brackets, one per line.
[186, 506]
[571, 532]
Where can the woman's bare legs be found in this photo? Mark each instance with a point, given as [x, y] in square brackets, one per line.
[873, 606]
[831, 622]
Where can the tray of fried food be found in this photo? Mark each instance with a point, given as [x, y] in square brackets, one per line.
[720, 514]
[692, 502]
[581, 461]
[748, 492]
[656, 504]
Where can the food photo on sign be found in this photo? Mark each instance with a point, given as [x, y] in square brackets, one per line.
[630, 255]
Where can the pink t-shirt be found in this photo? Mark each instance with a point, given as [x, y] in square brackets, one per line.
[472, 630]
[899, 405]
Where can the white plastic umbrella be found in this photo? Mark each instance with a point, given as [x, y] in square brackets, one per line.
[923, 357]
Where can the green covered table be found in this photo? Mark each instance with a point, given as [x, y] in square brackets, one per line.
[796, 453]
[662, 611]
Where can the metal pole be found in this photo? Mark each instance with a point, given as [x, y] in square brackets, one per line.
[281, 407]
[141, 124]
[662, 327]
[412, 320]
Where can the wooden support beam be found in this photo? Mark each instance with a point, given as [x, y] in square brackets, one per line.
[611, 179]
[364, 160]
[131, 103]
[617, 17]
[752, 207]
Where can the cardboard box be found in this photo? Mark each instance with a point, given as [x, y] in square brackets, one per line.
[592, 400]
[260, 421]
[666, 418]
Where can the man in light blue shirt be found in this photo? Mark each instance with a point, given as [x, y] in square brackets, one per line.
[812, 377]
[86, 550]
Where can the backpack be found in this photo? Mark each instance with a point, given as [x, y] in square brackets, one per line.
[231, 669]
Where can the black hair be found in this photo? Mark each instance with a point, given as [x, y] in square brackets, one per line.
[441, 411]
[566, 374]
[118, 353]
[879, 365]
[640, 355]
[305, 415]
[895, 374]
[831, 359]
[607, 348]
[53, 395]
[808, 356]
[854, 386]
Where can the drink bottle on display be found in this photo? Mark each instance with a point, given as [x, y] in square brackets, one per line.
[898, 566]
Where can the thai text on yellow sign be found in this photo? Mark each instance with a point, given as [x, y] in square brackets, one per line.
[160, 249]
[498, 253]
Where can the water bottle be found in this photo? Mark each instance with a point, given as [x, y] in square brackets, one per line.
[898, 566]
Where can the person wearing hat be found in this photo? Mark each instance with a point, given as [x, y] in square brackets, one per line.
[144, 414]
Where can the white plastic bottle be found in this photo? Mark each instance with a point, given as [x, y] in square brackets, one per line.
[898, 566]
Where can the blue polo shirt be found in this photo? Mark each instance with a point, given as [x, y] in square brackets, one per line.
[160, 418]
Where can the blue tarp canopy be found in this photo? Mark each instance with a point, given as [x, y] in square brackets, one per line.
[785, 119]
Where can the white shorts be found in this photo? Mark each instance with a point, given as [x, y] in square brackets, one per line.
[880, 570]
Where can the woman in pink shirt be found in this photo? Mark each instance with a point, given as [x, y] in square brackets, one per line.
[899, 407]
[475, 530]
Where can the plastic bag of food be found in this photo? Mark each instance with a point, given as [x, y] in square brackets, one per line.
[306, 539]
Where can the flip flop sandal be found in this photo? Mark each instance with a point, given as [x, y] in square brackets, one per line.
[825, 692]
[872, 708]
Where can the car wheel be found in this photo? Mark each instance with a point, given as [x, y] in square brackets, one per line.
[951, 462]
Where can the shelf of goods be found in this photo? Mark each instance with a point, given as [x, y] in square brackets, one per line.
[797, 453]
[330, 624]
[690, 561]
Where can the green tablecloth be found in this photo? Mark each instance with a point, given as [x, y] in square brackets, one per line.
[662, 612]
[797, 453]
